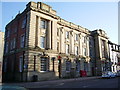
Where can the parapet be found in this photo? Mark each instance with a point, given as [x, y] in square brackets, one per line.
[42, 6]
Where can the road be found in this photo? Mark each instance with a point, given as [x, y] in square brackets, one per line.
[94, 83]
[87, 82]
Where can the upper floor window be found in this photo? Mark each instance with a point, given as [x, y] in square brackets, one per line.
[15, 29]
[23, 23]
[22, 41]
[67, 34]
[6, 47]
[7, 33]
[67, 49]
[57, 31]
[57, 46]
[103, 48]
[42, 42]
[84, 39]
[44, 64]
[12, 44]
[76, 37]
[43, 24]
[76, 50]
[84, 51]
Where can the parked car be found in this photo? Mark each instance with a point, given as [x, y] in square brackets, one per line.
[118, 74]
[108, 74]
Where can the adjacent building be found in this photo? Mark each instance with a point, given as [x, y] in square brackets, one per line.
[39, 45]
[114, 53]
[1, 52]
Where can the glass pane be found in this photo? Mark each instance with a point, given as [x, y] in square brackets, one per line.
[42, 41]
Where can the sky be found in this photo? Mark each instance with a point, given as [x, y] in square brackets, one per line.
[90, 15]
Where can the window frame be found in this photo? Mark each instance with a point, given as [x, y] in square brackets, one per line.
[67, 48]
[77, 65]
[68, 66]
[20, 64]
[58, 46]
[6, 47]
[23, 23]
[22, 41]
[76, 50]
[44, 64]
[76, 37]
[43, 24]
[57, 31]
[42, 42]
[67, 35]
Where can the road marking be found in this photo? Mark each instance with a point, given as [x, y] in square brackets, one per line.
[45, 86]
[59, 84]
[85, 86]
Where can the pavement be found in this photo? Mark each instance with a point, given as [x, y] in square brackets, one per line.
[50, 82]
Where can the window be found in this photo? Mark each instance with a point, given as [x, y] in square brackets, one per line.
[84, 39]
[76, 37]
[85, 66]
[67, 49]
[57, 31]
[20, 63]
[84, 51]
[12, 44]
[76, 50]
[67, 34]
[6, 47]
[23, 23]
[22, 40]
[15, 29]
[43, 24]
[103, 48]
[77, 65]
[7, 33]
[42, 42]
[5, 65]
[57, 46]
[44, 63]
[68, 65]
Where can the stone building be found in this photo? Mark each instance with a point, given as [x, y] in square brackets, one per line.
[101, 50]
[114, 53]
[41, 45]
[1, 52]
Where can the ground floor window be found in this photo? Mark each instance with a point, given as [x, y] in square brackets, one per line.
[20, 63]
[86, 66]
[44, 63]
[77, 65]
[5, 65]
[68, 65]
